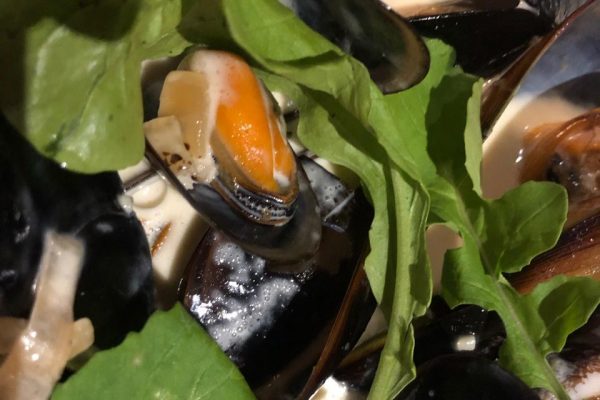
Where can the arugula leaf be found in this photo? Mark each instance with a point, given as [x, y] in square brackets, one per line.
[397, 265]
[327, 129]
[171, 358]
[73, 89]
[501, 236]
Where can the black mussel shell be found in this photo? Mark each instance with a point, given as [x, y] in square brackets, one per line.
[366, 29]
[446, 372]
[223, 204]
[437, 336]
[20, 242]
[115, 289]
[566, 60]
[297, 239]
[440, 336]
[486, 41]
[275, 325]
[465, 376]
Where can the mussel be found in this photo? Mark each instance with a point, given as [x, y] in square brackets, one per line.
[568, 154]
[563, 64]
[303, 322]
[578, 365]
[301, 311]
[219, 137]
[487, 35]
[115, 288]
[382, 40]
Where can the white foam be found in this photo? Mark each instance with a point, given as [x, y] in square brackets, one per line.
[247, 302]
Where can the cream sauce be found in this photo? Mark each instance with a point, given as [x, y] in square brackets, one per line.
[173, 229]
[502, 150]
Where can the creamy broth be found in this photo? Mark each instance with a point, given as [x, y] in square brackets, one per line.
[503, 148]
[172, 227]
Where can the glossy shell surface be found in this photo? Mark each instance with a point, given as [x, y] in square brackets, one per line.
[256, 312]
[115, 288]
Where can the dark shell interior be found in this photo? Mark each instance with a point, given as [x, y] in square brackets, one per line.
[222, 204]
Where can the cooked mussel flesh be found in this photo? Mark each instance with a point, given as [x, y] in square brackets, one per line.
[219, 138]
[216, 125]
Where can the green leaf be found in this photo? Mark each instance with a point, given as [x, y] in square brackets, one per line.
[397, 265]
[409, 284]
[523, 223]
[73, 89]
[500, 236]
[564, 303]
[172, 358]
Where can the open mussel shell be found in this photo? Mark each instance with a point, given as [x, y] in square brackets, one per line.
[488, 36]
[115, 289]
[456, 352]
[562, 84]
[218, 138]
[286, 331]
[368, 30]
[548, 131]
[297, 239]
